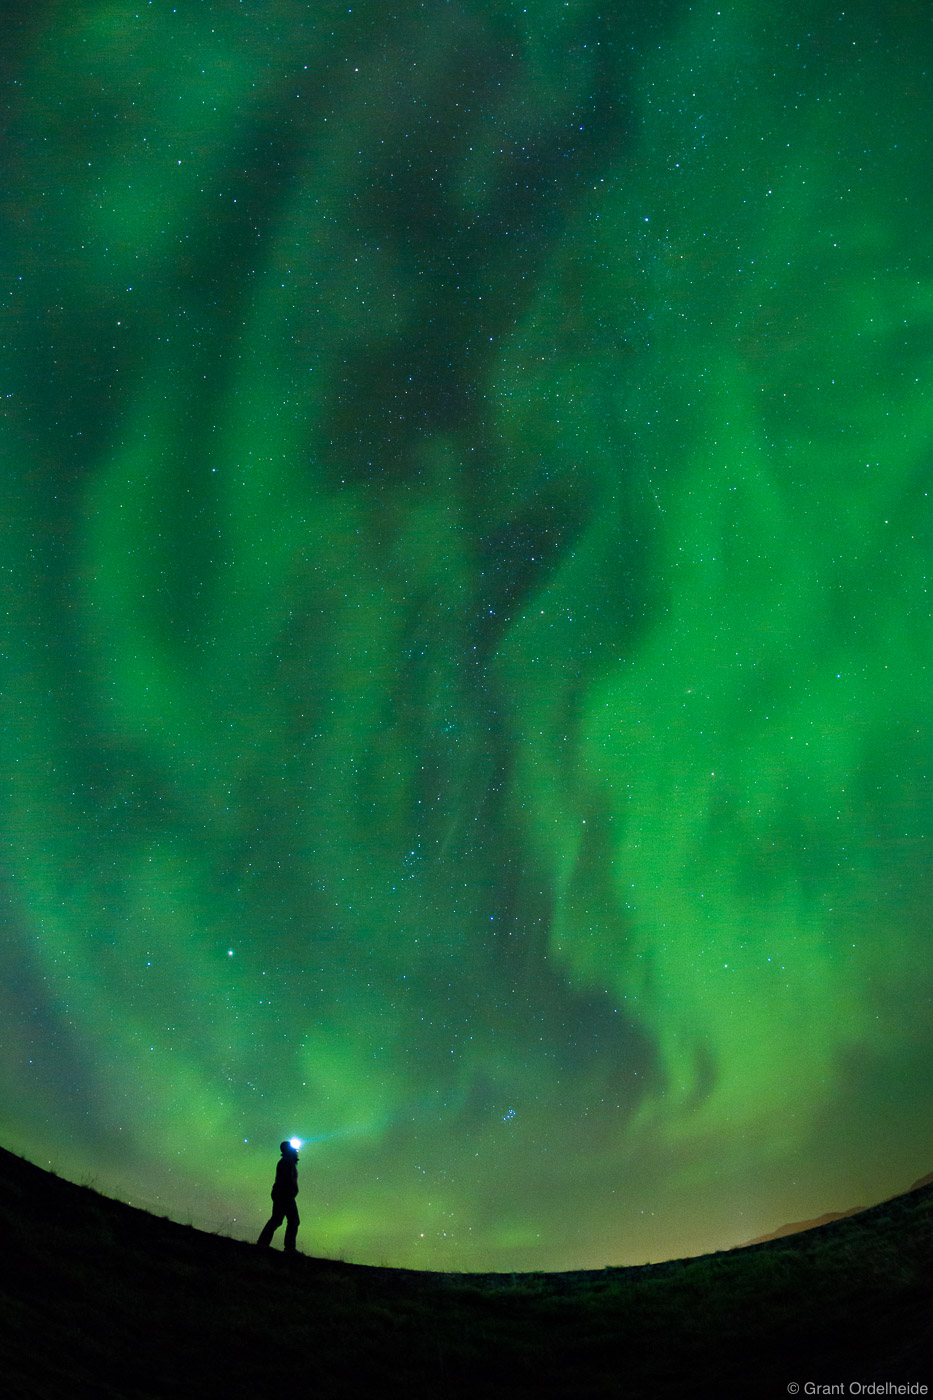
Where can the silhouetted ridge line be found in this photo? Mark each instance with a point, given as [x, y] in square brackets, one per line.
[101, 1298]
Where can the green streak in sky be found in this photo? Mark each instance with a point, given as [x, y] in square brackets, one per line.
[466, 692]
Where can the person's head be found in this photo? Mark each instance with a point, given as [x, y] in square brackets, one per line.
[287, 1150]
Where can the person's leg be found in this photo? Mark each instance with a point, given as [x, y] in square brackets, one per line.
[272, 1224]
[291, 1229]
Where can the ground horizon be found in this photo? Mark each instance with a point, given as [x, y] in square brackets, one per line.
[105, 1299]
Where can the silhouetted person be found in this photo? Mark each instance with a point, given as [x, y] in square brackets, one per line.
[284, 1191]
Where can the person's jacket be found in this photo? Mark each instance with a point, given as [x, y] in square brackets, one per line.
[286, 1178]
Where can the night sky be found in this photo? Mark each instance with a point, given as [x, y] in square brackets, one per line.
[466, 647]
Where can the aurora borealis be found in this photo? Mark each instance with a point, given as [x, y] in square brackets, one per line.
[466, 664]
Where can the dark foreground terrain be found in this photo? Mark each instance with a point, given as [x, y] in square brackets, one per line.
[99, 1299]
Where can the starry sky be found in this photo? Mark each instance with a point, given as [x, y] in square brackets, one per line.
[466, 630]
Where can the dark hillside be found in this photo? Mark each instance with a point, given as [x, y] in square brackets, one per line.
[100, 1299]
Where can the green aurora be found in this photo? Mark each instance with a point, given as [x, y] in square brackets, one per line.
[466, 691]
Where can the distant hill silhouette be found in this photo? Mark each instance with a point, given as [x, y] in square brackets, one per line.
[100, 1299]
[798, 1225]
